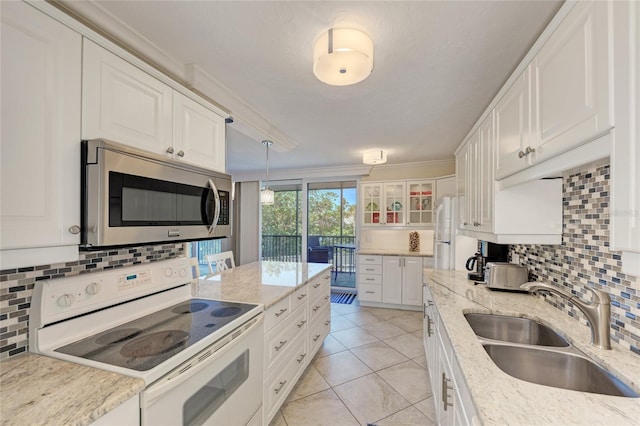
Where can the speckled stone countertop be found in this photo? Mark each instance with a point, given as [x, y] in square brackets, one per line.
[265, 282]
[385, 252]
[36, 389]
[501, 399]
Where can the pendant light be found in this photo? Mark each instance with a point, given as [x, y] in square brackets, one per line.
[267, 197]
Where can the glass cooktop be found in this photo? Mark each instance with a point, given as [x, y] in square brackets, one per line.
[148, 341]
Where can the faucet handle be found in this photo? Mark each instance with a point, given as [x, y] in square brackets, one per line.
[599, 296]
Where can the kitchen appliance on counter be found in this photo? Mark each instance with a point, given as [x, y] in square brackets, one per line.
[487, 252]
[506, 276]
[201, 360]
[450, 250]
[134, 197]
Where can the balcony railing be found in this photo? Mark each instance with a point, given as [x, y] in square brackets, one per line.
[288, 248]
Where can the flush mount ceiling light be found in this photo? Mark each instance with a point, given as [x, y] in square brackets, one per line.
[374, 156]
[343, 56]
[267, 197]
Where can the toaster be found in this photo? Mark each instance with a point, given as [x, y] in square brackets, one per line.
[506, 276]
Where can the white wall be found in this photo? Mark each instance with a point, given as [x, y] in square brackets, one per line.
[422, 170]
[248, 231]
[394, 239]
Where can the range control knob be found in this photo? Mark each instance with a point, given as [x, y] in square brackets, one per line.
[183, 273]
[65, 300]
[168, 272]
[92, 289]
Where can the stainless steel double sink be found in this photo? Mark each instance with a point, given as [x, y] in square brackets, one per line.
[531, 351]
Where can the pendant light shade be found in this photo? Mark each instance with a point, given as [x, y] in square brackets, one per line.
[343, 56]
[374, 156]
[267, 197]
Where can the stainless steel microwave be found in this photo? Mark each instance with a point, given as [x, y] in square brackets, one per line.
[133, 197]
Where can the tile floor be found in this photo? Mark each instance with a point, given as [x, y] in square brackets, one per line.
[370, 369]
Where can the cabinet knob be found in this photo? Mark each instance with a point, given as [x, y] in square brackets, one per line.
[476, 223]
[170, 150]
[180, 153]
[74, 229]
[521, 154]
[529, 150]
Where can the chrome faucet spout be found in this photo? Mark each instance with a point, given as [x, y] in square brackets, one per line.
[598, 311]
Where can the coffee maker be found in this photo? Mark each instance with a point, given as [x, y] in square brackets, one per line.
[487, 252]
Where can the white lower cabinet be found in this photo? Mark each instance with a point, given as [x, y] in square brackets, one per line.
[451, 396]
[40, 138]
[389, 280]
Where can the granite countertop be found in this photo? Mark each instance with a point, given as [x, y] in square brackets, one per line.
[36, 389]
[394, 252]
[265, 282]
[502, 399]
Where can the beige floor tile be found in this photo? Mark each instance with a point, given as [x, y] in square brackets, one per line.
[378, 355]
[421, 360]
[408, 323]
[362, 317]
[410, 416]
[354, 337]
[383, 329]
[341, 323]
[278, 420]
[309, 383]
[385, 313]
[370, 398]
[346, 309]
[323, 408]
[428, 408]
[341, 367]
[410, 345]
[409, 379]
[330, 346]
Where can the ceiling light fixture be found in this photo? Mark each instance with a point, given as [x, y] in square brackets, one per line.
[374, 156]
[267, 197]
[343, 56]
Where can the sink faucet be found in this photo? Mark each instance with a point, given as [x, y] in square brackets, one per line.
[598, 312]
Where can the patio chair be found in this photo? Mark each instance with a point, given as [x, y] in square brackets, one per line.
[219, 262]
[318, 255]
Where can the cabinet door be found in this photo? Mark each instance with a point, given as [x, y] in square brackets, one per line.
[372, 204]
[512, 129]
[40, 143]
[394, 203]
[198, 134]
[392, 279]
[571, 75]
[123, 103]
[461, 187]
[473, 183]
[420, 200]
[411, 281]
[485, 172]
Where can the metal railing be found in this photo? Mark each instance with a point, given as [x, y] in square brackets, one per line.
[288, 248]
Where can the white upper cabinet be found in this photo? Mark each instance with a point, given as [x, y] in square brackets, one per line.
[462, 192]
[198, 134]
[40, 142]
[122, 103]
[398, 203]
[420, 202]
[625, 158]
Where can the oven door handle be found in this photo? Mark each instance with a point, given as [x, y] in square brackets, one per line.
[216, 215]
[170, 381]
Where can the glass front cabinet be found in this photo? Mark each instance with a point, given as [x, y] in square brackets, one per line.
[397, 203]
[420, 202]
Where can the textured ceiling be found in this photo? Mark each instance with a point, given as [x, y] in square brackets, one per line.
[437, 66]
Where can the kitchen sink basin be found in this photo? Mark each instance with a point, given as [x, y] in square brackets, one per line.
[514, 330]
[558, 369]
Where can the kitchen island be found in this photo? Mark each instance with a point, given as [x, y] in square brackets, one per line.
[500, 399]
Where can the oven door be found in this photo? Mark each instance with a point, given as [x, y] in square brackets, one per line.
[219, 386]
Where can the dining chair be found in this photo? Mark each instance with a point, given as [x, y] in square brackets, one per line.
[219, 262]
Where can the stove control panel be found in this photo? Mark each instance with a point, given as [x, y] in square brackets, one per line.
[63, 298]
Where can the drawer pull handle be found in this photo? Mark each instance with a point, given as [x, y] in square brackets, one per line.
[369, 269]
[302, 296]
[316, 285]
[315, 308]
[369, 279]
[326, 277]
[445, 392]
[327, 322]
[282, 311]
[316, 337]
[368, 259]
[301, 323]
[369, 292]
[299, 360]
[279, 388]
[282, 343]
[326, 297]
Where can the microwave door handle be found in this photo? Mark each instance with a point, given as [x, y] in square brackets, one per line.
[216, 215]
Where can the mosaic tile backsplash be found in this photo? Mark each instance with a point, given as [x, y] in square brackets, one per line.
[584, 259]
[16, 286]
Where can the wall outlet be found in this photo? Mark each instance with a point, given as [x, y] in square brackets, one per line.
[515, 258]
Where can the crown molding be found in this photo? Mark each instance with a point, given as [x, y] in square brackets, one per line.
[339, 172]
[427, 163]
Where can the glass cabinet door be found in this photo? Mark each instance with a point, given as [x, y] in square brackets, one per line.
[421, 202]
[394, 203]
[372, 204]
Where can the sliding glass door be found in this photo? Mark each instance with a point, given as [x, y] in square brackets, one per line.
[282, 224]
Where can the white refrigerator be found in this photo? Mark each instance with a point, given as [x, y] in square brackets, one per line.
[450, 250]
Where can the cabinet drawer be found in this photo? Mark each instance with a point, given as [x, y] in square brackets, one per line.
[300, 297]
[320, 285]
[370, 279]
[367, 259]
[370, 269]
[276, 314]
[319, 329]
[370, 293]
[316, 306]
[279, 340]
